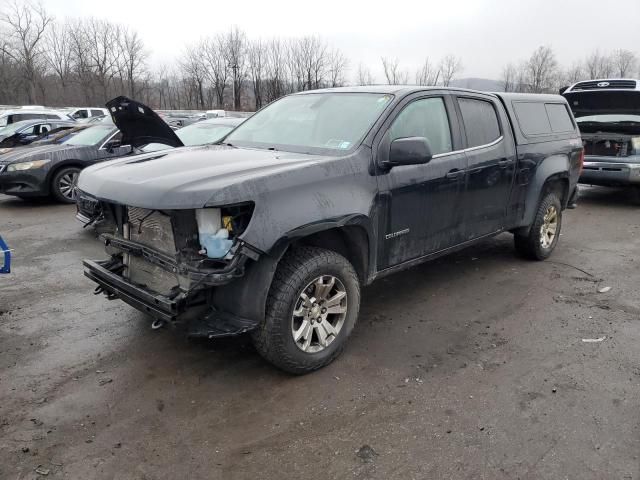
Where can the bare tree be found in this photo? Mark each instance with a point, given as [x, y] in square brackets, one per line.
[276, 61]
[257, 64]
[624, 62]
[542, 70]
[510, 78]
[392, 72]
[598, 65]
[102, 39]
[217, 67]
[337, 68]
[364, 76]
[573, 74]
[234, 52]
[26, 25]
[450, 65]
[59, 53]
[427, 74]
[132, 57]
[195, 72]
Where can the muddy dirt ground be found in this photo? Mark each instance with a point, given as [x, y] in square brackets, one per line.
[470, 367]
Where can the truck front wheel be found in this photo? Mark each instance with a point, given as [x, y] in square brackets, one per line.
[312, 308]
[544, 232]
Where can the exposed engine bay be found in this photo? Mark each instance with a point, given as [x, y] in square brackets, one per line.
[168, 253]
[610, 144]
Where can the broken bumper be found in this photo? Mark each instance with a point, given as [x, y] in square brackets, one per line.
[158, 306]
[214, 324]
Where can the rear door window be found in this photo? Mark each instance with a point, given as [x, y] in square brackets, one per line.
[97, 113]
[480, 121]
[559, 118]
[426, 117]
[532, 117]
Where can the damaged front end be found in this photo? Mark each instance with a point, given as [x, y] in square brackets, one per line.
[168, 263]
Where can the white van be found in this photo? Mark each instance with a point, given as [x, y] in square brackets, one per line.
[215, 113]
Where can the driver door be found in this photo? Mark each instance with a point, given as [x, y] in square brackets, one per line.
[422, 214]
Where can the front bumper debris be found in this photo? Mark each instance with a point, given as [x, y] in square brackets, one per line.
[214, 324]
[115, 286]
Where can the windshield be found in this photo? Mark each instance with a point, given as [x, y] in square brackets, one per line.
[314, 121]
[91, 136]
[201, 133]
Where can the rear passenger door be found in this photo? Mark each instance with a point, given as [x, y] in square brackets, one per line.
[491, 165]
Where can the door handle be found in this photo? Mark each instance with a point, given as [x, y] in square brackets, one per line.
[504, 163]
[454, 174]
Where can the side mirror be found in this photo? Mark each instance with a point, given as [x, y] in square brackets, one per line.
[409, 151]
[111, 146]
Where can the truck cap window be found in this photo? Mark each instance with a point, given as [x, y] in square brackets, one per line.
[426, 118]
[312, 122]
[559, 117]
[480, 121]
[537, 118]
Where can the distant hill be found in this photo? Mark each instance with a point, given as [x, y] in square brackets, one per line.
[483, 84]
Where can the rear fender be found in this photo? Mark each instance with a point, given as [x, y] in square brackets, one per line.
[555, 167]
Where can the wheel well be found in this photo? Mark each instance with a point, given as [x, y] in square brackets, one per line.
[560, 185]
[349, 241]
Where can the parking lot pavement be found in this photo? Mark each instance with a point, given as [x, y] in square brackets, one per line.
[470, 367]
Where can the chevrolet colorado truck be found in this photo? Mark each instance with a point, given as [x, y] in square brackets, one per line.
[275, 229]
[608, 115]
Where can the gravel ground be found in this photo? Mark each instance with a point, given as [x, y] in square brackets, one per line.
[473, 366]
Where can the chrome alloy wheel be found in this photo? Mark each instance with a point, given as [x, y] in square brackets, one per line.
[67, 185]
[549, 227]
[319, 314]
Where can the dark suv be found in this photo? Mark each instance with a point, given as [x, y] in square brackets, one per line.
[276, 229]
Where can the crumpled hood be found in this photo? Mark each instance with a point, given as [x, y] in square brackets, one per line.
[22, 154]
[185, 177]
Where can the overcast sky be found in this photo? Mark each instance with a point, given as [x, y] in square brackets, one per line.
[486, 34]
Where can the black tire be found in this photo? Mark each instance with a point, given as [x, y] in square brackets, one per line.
[59, 181]
[298, 268]
[531, 245]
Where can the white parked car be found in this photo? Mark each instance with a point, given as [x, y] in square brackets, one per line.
[87, 113]
[16, 115]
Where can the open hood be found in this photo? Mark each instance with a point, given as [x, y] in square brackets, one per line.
[139, 124]
[611, 102]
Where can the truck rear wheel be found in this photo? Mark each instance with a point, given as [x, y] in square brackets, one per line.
[544, 232]
[312, 308]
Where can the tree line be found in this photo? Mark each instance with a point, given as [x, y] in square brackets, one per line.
[542, 73]
[86, 61]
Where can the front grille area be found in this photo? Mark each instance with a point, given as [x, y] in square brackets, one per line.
[153, 229]
[602, 84]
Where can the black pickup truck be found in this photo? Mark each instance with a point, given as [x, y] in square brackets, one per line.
[275, 229]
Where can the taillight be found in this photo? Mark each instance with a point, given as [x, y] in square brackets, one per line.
[581, 160]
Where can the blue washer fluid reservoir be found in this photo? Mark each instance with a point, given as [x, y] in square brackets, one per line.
[217, 245]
